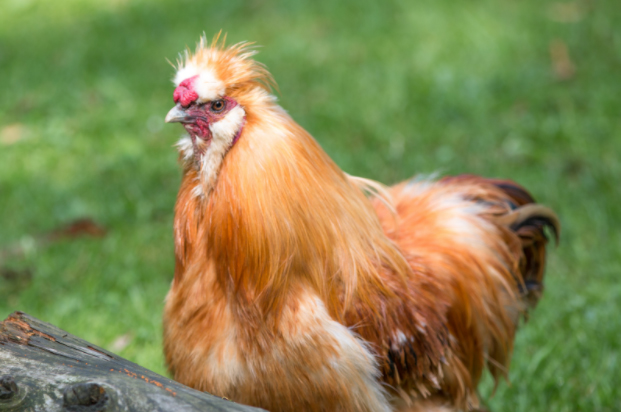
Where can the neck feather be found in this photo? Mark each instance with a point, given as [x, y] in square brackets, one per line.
[280, 213]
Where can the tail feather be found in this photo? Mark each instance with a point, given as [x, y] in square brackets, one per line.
[532, 215]
[477, 250]
[529, 223]
[519, 213]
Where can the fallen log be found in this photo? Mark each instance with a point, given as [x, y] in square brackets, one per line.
[45, 369]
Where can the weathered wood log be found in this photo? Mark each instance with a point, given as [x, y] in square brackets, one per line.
[45, 369]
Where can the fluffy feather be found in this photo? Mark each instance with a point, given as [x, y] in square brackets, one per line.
[294, 291]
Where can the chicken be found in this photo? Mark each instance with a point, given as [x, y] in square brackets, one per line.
[300, 288]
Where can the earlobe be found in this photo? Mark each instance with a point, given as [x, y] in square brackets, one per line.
[229, 127]
[225, 133]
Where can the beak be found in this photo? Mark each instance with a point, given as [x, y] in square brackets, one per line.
[176, 115]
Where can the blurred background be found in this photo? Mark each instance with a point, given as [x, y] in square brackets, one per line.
[528, 90]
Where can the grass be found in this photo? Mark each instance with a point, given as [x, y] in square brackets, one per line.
[389, 89]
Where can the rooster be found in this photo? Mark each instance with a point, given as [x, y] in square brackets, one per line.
[298, 287]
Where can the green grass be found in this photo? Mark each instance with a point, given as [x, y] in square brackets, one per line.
[389, 89]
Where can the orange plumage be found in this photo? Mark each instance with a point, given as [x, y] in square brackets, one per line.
[298, 287]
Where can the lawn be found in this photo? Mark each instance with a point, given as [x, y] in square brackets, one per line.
[527, 90]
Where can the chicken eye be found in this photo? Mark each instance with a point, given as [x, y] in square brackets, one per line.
[217, 106]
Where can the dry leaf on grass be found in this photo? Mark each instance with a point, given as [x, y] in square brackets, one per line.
[562, 65]
[13, 275]
[74, 229]
[77, 228]
[12, 133]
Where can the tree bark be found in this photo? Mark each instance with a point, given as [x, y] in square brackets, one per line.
[45, 369]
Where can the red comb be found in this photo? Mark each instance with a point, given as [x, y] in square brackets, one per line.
[184, 93]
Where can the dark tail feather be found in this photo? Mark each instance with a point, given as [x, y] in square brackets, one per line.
[532, 215]
[528, 220]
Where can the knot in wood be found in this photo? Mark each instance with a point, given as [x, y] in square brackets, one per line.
[8, 387]
[85, 397]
